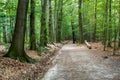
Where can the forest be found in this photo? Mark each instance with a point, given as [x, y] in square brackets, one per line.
[37, 24]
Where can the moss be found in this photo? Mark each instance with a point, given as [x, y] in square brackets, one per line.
[22, 58]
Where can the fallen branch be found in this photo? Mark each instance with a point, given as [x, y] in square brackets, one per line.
[87, 44]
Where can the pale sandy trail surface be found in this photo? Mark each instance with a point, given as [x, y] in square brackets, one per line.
[79, 63]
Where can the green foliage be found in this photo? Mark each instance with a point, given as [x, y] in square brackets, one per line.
[70, 13]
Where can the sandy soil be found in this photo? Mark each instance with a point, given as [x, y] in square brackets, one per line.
[75, 62]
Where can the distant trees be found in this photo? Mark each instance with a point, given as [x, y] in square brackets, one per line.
[57, 20]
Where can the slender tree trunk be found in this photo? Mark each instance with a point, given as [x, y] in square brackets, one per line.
[73, 32]
[59, 20]
[105, 26]
[110, 26]
[16, 50]
[119, 24]
[115, 33]
[80, 21]
[55, 20]
[50, 22]
[32, 26]
[43, 35]
[95, 23]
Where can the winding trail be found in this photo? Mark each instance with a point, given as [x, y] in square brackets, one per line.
[79, 63]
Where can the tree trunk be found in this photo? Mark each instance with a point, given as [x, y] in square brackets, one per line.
[110, 26]
[59, 20]
[16, 50]
[80, 20]
[95, 22]
[32, 26]
[119, 24]
[73, 32]
[55, 20]
[105, 25]
[43, 35]
[115, 33]
[50, 23]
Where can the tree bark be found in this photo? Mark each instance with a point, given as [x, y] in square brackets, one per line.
[110, 26]
[73, 32]
[105, 25]
[59, 20]
[50, 22]
[119, 24]
[80, 20]
[43, 35]
[32, 26]
[55, 20]
[16, 50]
[95, 23]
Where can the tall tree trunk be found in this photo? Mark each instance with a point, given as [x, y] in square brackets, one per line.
[16, 50]
[59, 20]
[95, 22]
[80, 20]
[43, 35]
[119, 24]
[115, 33]
[32, 26]
[105, 25]
[110, 26]
[50, 22]
[55, 20]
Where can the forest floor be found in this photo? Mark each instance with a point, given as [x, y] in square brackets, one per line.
[13, 70]
[71, 62]
[77, 62]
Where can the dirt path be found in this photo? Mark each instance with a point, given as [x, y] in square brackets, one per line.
[79, 63]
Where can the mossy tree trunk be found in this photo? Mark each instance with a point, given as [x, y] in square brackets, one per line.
[16, 50]
[32, 26]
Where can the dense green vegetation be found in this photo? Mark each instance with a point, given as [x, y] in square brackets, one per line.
[51, 21]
